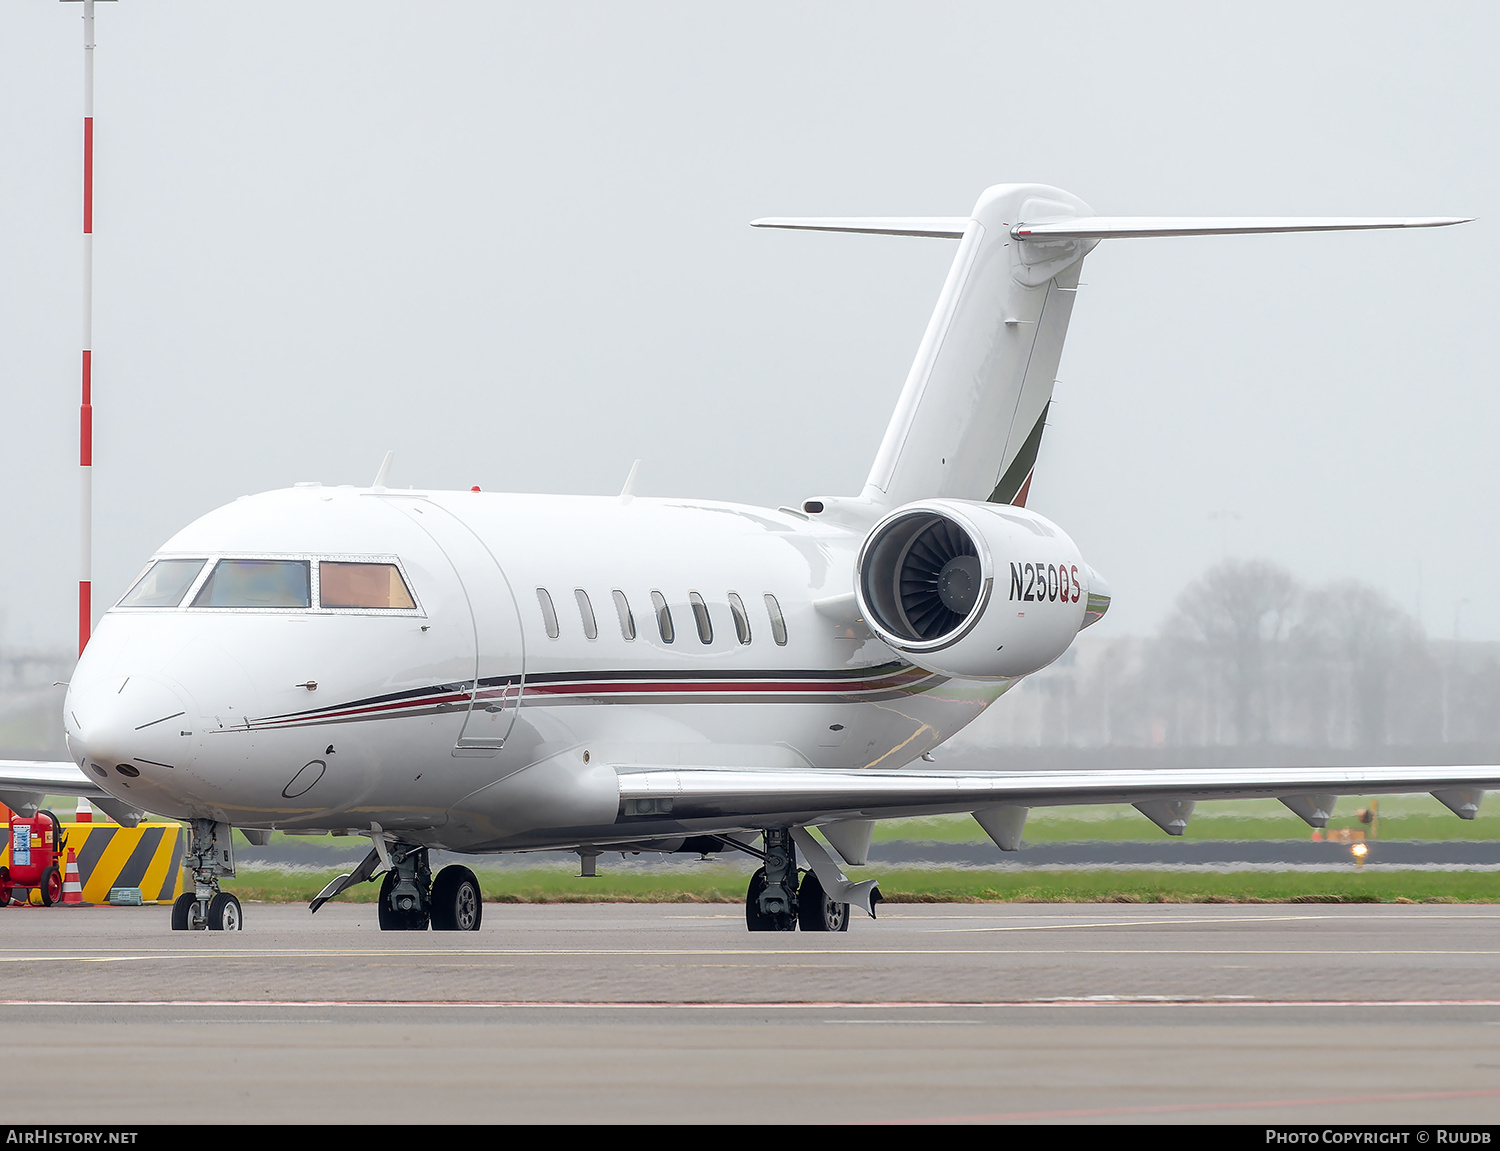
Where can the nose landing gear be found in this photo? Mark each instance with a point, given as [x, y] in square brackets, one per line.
[210, 857]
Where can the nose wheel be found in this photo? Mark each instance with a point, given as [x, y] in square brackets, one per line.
[222, 912]
[210, 857]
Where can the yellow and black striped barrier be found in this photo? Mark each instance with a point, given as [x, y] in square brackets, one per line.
[148, 856]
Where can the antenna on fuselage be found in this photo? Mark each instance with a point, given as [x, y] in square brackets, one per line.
[628, 491]
[385, 469]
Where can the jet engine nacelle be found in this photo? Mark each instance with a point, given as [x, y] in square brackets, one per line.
[975, 590]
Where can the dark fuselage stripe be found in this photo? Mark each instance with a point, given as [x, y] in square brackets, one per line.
[620, 687]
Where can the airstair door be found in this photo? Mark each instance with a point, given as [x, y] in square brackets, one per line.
[498, 679]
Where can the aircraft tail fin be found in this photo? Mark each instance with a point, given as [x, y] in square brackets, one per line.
[970, 418]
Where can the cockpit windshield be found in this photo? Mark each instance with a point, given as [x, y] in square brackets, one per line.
[164, 584]
[257, 583]
[280, 584]
[362, 585]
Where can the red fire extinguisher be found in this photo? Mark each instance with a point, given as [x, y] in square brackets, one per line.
[36, 844]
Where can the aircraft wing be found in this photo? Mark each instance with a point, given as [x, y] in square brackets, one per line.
[24, 784]
[49, 778]
[700, 796]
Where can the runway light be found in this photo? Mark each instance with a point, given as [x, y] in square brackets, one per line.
[1359, 851]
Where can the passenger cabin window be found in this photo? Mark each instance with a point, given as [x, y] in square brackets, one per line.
[549, 613]
[741, 619]
[700, 617]
[586, 613]
[778, 624]
[257, 583]
[377, 586]
[663, 617]
[622, 609]
[164, 584]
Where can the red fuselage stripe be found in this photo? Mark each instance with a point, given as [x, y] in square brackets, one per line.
[615, 687]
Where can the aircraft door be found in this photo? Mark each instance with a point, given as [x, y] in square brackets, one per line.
[499, 656]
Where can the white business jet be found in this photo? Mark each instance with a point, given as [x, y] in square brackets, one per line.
[480, 672]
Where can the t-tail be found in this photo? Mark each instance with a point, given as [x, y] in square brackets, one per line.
[970, 418]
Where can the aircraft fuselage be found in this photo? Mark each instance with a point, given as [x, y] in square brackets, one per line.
[326, 718]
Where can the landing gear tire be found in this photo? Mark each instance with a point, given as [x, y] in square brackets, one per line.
[456, 902]
[186, 915]
[757, 920]
[51, 887]
[224, 913]
[817, 912]
[392, 920]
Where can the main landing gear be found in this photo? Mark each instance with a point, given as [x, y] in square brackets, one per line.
[411, 899]
[777, 901]
[210, 857]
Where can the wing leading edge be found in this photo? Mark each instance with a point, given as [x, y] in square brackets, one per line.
[25, 784]
[703, 798]
[48, 777]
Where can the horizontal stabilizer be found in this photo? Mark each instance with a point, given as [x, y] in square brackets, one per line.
[946, 227]
[974, 407]
[1126, 227]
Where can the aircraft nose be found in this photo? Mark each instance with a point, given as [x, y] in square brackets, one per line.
[127, 726]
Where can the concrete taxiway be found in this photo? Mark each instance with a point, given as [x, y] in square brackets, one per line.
[609, 1013]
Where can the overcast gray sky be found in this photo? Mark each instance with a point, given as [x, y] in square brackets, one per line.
[510, 241]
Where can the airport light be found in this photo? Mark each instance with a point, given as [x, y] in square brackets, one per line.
[1359, 851]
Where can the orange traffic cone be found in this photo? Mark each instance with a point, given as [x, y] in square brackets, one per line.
[72, 888]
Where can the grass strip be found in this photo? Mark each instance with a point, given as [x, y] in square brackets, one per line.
[704, 885]
[1401, 817]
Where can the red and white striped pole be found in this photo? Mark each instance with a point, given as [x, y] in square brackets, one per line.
[86, 406]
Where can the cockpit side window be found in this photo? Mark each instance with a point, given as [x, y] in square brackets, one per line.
[257, 584]
[363, 585]
[164, 584]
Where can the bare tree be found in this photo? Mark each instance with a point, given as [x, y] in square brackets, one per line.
[1249, 657]
[1233, 621]
[1353, 633]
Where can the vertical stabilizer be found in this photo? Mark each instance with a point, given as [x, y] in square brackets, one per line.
[970, 418]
